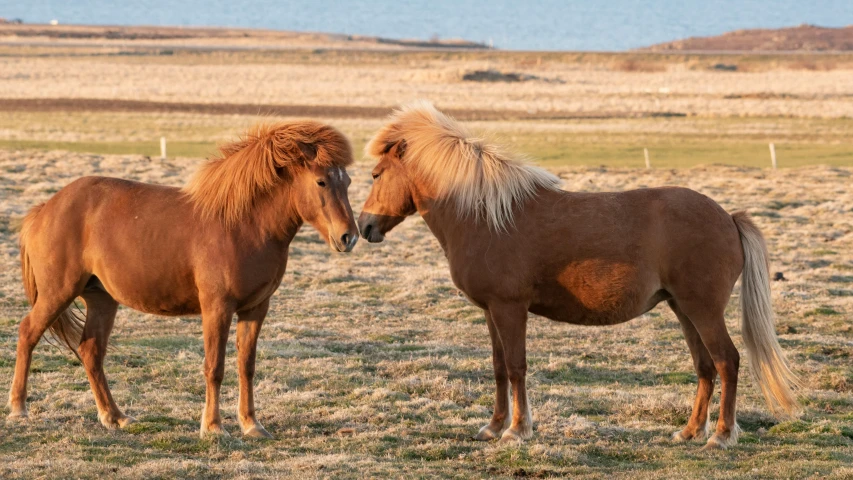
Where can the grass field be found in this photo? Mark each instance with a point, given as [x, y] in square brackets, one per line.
[671, 153]
[672, 142]
[371, 364]
[805, 86]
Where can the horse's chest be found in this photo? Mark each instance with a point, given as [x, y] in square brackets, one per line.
[481, 285]
[262, 293]
[258, 285]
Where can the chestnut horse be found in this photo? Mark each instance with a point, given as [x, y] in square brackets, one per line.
[216, 247]
[516, 243]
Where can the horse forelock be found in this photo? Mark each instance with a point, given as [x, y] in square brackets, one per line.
[228, 185]
[479, 177]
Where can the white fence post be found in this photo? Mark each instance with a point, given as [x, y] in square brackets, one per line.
[162, 148]
[773, 155]
[646, 153]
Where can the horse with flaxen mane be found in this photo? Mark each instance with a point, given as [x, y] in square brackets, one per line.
[216, 247]
[516, 243]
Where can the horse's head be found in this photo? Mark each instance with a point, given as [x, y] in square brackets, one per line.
[390, 200]
[303, 160]
[321, 200]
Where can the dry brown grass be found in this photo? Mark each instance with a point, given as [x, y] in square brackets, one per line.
[814, 65]
[615, 83]
[371, 364]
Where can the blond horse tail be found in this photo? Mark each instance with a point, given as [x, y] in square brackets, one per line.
[68, 327]
[766, 360]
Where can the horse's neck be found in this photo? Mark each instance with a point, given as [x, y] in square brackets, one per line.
[444, 222]
[276, 218]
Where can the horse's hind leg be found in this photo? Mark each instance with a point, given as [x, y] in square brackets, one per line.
[45, 311]
[697, 426]
[100, 317]
[710, 323]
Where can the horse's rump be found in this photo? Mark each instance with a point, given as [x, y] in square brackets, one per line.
[68, 327]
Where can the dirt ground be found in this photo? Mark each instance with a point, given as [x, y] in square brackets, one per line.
[372, 364]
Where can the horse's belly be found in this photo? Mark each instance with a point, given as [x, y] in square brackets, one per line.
[598, 293]
[155, 294]
[578, 315]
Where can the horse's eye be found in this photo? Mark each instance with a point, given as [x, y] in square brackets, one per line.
[321, 183]
[376, 176]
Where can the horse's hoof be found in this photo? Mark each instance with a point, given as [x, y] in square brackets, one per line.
[18, 415]
[716, 442]
[125, 421]
[113, 423]
[486, 433]
[510, 437]
[257, 431]
[719, 442]
[680, 436]
[213, 431]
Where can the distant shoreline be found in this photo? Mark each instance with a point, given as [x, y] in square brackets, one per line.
[803, 38]
[211, 37]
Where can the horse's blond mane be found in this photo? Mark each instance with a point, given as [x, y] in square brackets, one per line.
[228, 185]
[479, 177]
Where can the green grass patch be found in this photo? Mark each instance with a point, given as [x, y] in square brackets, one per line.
[673, 152]
[798, 143]
[600, 375]
[52, 363]
[795, 426]
[840, 293]
[821, 311]
[568, 152]
[151, 149]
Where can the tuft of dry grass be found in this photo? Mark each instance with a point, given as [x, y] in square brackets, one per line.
[814, 65]
[634, 65]
[371, 364]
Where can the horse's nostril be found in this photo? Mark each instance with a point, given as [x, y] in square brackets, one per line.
[367, 230]
[345, 239]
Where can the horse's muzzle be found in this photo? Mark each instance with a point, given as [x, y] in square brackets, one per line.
[369, 229]
[346, 242]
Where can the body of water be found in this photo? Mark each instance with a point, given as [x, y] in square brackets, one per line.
[510, 24]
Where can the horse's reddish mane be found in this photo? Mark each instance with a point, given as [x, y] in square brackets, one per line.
[267, 155]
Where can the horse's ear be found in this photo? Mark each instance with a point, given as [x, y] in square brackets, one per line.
[396, 149]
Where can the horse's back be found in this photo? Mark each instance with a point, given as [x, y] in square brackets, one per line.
[90, 206]
[86, 194]
[673, 232]
[603, 258]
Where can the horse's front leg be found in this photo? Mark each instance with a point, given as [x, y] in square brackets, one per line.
[502, 415]
[510, 321]
[215, 321]
[248, 327]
